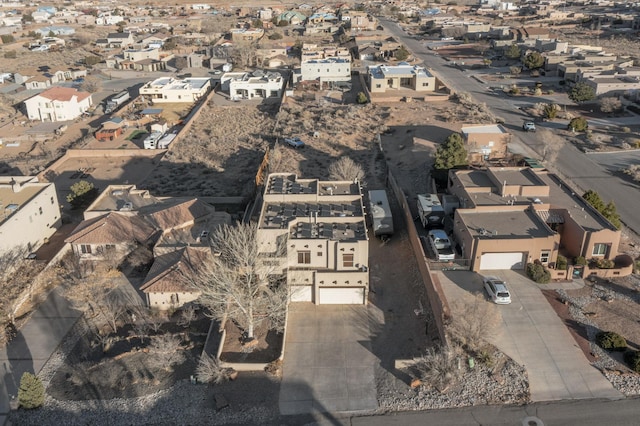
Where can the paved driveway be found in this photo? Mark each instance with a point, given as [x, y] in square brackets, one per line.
[535, 337]
[328, 364]
[35, 343]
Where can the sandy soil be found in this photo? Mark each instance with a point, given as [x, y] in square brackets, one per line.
[267, 349]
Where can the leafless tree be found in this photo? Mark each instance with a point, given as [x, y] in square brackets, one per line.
[472, 321]
[91, 84]
[112, 309]
[439, 367]
[244, 54]
[209, 370]
[552, 144]
[239, 282]
[278, 161]
[610, 105]
[187, 316]
[167, 350]
[83, 288]
[346, 169]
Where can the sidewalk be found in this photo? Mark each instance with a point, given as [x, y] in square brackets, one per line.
[33, 346]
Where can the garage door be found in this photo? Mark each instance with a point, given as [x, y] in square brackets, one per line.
[301, 293]
[502, 261]
[341, 296]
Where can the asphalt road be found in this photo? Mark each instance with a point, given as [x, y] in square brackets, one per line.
[584, 412]
[580, 170]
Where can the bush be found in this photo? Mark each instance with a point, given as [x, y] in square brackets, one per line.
[580, 261]
[611, 341]
[362, 98]
[632, 358]
[626, 130]
[275, 36]
[538, 273]
[604, 263]
[561, 263]
[31, 392]
[578, 124]
[10, 54]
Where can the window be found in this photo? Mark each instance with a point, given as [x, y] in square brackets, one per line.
[347, 260]
[109, 246]
[425, 84]
[600, 249]
[544, 256]
[304, 257]
[378, 86]
[40, 210]
[85, 249]
[319, 254]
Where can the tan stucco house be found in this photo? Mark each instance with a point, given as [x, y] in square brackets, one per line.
[322, 226]
[485, 142]
[384, 78]
[29, 213]
[511, 216]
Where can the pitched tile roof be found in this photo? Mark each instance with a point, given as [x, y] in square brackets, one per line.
[64, 94]
[170, 272]
[178, 215]
[112, 228]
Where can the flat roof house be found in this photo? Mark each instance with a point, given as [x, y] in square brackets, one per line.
[322, 226]
[29, 213]
[485, 142]
[168, 89]
[332, 69]
[383, 78]
[258, 84]
[511, 216]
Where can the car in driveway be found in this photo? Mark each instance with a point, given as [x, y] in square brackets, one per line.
[529, 126]
[295, 142]
[497, 290]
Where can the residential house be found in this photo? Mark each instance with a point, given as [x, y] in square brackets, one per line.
[511, 216]
[108, 19]
[29, 213]
[615, 85]
[168, 89]
[531, 33]
[316, 231]
[112, 234]
[58, 104]
[331, 69]
[110, 129]
[382, 78]
[246, 35]
[56, 30]
[120, 40]
[178, 228]
[41, 16]
[485, 142]
[258, 84]
[167, 283]
[292, 17]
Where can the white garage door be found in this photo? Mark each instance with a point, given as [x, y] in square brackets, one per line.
[341, 296]
[502, 261]
[302, 293]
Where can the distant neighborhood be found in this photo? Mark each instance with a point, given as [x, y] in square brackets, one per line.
[251, 213]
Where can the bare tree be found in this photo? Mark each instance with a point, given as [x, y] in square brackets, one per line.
[244, 54]
[439, 367]
[83, 288]
[209, 370]
[278, 161]
[239, 283]
[472, 322]
[552, 144]
[167, 350]
[346, 169]
[91, 84]
[187, 316]
[610, 105]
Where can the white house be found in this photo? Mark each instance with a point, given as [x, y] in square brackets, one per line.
[29, 213]
[258, 84]
[108, 19]
[168, 89]
[328, 69]
[58, 104]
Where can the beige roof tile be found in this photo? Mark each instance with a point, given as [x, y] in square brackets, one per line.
[112, 228]
[170, 272]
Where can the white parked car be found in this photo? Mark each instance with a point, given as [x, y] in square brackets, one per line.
[497, 290]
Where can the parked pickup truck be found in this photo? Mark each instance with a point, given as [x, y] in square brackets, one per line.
[440, 245]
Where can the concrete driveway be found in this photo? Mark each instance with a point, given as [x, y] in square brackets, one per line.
[328, 364]
[534, 336]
